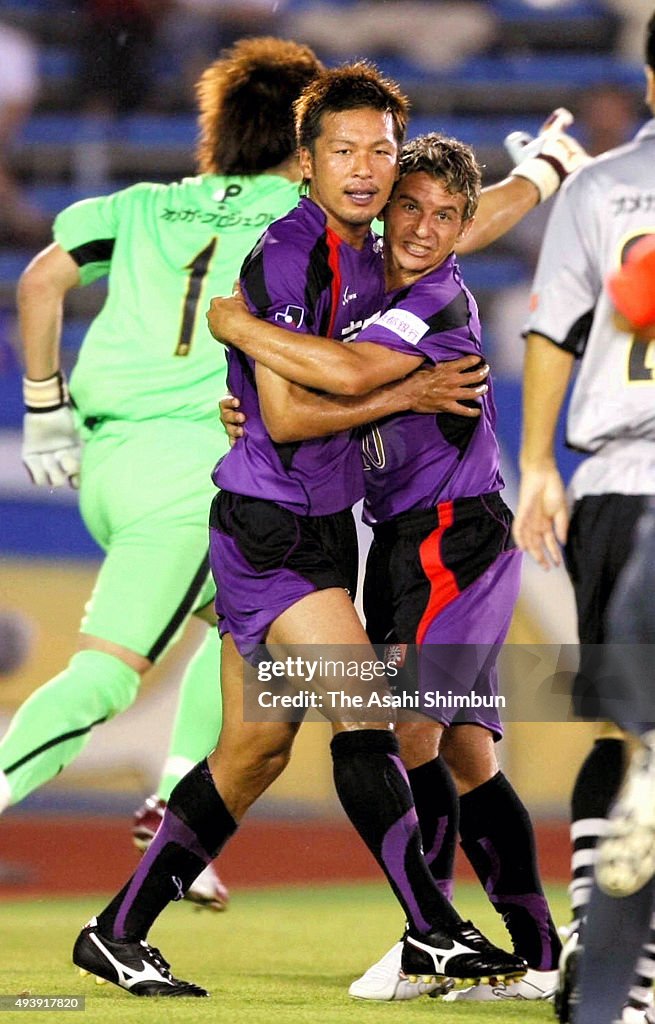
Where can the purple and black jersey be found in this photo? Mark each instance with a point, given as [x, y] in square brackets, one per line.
[302, 276]
[416, 461]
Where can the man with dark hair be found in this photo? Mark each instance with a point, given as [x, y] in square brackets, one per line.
[285, 564]
[442, 575]
[144, 392]
[599, 215]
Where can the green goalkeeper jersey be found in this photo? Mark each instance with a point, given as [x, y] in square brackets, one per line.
[166, 249]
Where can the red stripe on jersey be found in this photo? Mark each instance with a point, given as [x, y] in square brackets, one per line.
[333, 244]
[443, 584]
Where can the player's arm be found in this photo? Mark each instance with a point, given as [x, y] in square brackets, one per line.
[305, 359]
[51, 446]
[541, 521]
[292, 413]
[501, 207]
[542, 164]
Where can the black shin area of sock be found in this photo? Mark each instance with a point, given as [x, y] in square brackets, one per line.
[196, 825]
[598, 780]
[498, 839]
[437, 807]
[372, 786]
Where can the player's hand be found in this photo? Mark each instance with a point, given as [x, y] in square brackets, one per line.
[231, 418]
[227, 316]
[52, 449]
[550, 157]
[446, 386]
[542, 518]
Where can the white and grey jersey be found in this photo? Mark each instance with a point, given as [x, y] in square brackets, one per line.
[599, 214]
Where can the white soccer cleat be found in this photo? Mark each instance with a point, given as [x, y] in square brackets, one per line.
[626, 854]
[632, 1015]
[385, 981]
[208, 891]
[538, 985]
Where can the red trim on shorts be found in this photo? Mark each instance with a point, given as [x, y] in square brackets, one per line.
[443, 584]
[333, 244]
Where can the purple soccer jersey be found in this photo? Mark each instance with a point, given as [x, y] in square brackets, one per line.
[302, 276]
[415, 461]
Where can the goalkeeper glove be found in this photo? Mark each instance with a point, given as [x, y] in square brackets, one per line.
[547, 160]
[52, 448]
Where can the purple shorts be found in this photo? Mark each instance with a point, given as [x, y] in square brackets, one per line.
[265, 559]
[445, 581]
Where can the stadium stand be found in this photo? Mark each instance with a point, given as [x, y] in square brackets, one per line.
[541, 56]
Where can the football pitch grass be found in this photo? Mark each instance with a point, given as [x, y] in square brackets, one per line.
[278, 956]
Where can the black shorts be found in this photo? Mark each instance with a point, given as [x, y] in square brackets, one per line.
[466, 536]
[439, 595]
[265, 558]
[600, 537]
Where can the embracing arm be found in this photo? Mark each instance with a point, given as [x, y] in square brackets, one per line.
[292, 413]
[305, 359]
[541, 521]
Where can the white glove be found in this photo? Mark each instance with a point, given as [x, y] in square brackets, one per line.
[52, 448]
[550, 157]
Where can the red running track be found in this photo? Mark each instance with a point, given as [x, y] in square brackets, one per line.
[42, 855]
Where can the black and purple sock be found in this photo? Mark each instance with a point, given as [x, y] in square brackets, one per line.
[196, 825]
[372, 785]
[437, 807]
[498, 839]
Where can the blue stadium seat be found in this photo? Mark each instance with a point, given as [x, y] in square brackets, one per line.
[565, 8]
[476, 131]
[483, 272]
[13, 263]
[56, 62]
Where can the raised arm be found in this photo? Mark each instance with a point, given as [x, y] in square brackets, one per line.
[541, 166]
[501, 207]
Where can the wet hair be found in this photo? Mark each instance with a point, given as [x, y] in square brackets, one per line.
[245, 101]
[447, 160]
[349, 87]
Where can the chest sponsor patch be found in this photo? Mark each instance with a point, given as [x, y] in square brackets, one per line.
[405, 324]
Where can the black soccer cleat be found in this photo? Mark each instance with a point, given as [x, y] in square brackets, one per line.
[462, 954]
[134, 966]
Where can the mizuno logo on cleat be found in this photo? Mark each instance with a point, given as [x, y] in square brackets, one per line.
[440, 956]
[127, 977]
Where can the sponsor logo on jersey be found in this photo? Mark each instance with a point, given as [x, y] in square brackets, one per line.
[348, 296]
[405, 324]
[231, 192]
[350, 332]
[293, 315]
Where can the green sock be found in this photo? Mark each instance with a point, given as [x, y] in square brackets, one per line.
[54, 724]
[198, 717]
